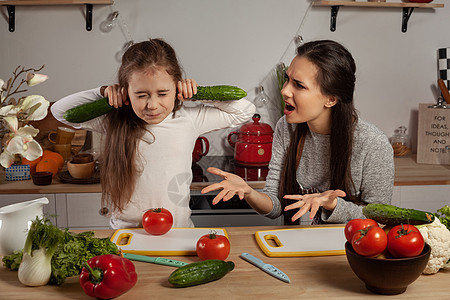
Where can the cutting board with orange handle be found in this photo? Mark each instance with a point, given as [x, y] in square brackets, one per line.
[307, 241]
[178, 241]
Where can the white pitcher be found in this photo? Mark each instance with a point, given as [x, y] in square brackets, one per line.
[15, 221]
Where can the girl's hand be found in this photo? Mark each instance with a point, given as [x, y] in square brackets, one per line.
[117, 96]
[231, 185]
[312, 202]
[186, 89]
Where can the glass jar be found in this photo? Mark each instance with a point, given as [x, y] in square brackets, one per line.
[400, 142]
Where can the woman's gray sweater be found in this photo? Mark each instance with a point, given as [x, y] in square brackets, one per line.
[372, 169]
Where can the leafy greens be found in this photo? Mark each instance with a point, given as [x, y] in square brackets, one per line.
[70, 254]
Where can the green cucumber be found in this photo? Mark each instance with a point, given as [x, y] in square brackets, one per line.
[88, 111]
[94, 109]
[200, 272]
[392, 215]
[219, 92]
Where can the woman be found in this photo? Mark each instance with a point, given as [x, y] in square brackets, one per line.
[325, 159]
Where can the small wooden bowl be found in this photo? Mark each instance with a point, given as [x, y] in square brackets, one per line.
[81, 170]
[42, 178]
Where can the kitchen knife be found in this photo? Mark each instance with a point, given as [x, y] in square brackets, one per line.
[155, 260]
[275, 272]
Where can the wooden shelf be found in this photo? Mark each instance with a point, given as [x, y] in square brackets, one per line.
[55, 2]
[377, 4]
[11, 8]
[407, 7]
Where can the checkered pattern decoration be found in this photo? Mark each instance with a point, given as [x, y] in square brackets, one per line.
[444, 65]
[18, 172]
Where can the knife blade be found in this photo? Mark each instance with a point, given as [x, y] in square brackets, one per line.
[274, 271]
[155, 260]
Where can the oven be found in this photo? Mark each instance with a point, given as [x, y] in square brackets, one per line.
[234, 212]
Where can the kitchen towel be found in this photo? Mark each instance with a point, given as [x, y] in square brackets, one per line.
[444, 65]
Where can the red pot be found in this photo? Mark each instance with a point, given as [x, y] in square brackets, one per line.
[200, 151]
[253, 146]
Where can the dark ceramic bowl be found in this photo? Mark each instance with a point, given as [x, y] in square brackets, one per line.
[387, 276]
[42, 178]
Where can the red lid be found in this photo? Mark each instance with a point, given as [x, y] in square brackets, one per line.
[256, 128]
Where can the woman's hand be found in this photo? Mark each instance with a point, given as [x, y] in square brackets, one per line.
[117, 96]
[186, 89]
[312, 202]
[231, 185]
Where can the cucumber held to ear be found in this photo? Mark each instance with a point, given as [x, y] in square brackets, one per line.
[393, 215]
[88, 111]
[219, 92]
[91, 110]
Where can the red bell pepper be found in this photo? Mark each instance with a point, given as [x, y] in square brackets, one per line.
[107, 276]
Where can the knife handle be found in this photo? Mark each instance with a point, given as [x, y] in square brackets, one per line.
[251, 259]
[444, 90]
[155, 260]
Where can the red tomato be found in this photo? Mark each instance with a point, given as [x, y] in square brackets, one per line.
[213, 246]
[357, 224]
[405, 241]
[370, 241]
[157, 221]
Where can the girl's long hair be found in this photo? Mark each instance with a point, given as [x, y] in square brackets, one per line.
[124, 129]
[336, 77]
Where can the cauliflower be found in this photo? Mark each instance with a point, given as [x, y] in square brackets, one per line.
[438, 237]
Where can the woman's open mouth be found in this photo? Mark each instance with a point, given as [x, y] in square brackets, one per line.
[288, 107]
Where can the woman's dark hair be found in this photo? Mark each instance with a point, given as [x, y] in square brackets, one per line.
[124, 128]
[336, 77]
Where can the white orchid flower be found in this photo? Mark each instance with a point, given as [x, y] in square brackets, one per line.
[35, 106]
[20, 142]
[34, 79]
[8, 110]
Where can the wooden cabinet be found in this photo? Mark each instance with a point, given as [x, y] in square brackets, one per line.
[81, 211]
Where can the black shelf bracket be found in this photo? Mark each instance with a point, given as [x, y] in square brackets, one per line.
[334, 12]
[89, 17]
[11, 17]
[407, 11]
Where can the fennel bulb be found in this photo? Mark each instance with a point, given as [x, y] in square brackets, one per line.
[41, 243]
[35, 269]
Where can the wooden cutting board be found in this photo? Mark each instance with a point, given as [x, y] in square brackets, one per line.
[178, 241]
[308, 241]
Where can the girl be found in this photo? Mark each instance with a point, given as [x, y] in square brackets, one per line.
[149, 138]
[325, 159]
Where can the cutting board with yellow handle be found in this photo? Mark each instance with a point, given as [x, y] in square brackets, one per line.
[307, 241]
[178, 241]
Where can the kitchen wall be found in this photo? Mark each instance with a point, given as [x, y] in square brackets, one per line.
[236, 42]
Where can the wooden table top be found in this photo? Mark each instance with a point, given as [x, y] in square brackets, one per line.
[316, 277]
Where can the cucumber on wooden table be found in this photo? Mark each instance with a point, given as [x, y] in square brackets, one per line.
[94, 109]
[392, 215]
[200, 272]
